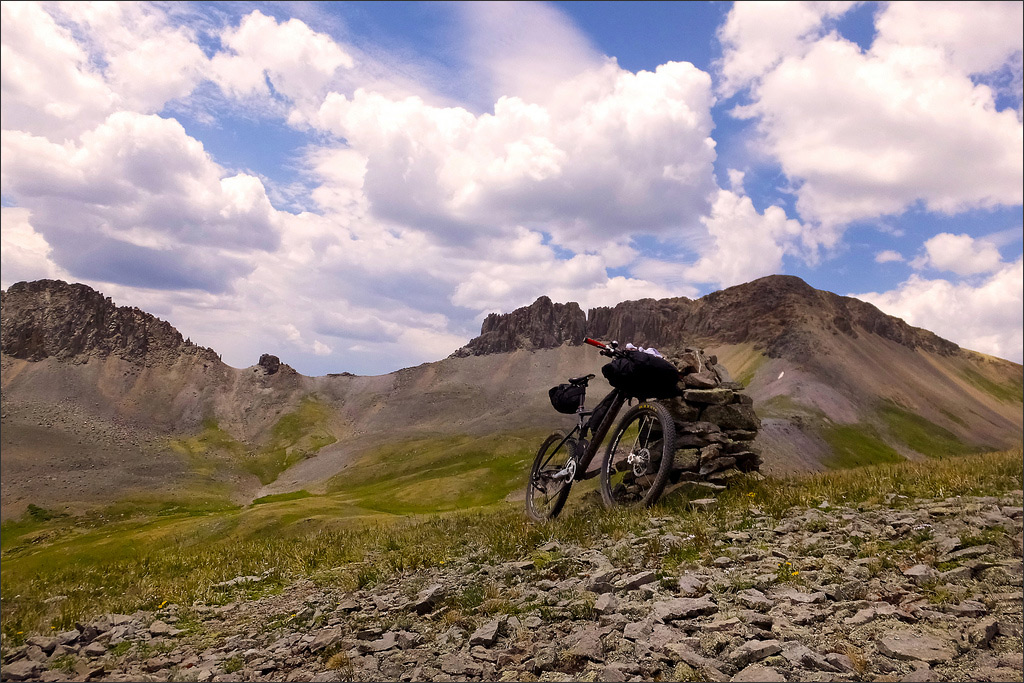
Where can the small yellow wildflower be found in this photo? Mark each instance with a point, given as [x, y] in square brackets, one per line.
[795, 573]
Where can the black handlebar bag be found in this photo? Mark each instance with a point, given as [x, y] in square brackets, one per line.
[643, 375]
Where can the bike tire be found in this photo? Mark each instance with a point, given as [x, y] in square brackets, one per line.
[648, 434]
[545, 497]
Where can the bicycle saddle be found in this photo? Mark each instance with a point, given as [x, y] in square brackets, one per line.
[581, 381]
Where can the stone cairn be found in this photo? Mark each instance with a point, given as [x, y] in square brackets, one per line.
[715, 423]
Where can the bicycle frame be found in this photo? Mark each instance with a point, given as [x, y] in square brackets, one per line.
[583, 464]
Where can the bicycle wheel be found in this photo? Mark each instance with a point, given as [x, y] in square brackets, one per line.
[639, 457]
[551, 477]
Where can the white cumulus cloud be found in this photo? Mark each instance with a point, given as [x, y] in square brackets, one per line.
[986, 317]
[888, 256]
[904, 124]
[745, 244]
[139, 201]
[960, 254]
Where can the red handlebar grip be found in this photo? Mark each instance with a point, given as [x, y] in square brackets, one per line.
[594, 342]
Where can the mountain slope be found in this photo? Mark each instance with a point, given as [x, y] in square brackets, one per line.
[102, 402]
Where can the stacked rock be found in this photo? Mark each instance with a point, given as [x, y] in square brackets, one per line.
[715, 421]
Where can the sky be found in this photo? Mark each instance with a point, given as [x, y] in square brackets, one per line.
[354, 186]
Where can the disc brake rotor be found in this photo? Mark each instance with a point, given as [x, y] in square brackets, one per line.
[639, 460]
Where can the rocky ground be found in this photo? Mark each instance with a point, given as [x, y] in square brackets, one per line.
[911, 591]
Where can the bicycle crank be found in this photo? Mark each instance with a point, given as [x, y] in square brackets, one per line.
[567, 473]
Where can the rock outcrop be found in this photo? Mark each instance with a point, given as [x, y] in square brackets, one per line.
[780, 314]
[541, 325]
[51, 318]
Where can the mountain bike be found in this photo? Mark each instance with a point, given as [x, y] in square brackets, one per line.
[636, 463]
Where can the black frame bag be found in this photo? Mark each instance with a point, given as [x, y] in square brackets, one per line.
[643, 375]
[565, 398]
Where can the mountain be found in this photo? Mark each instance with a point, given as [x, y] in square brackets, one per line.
[101, 402]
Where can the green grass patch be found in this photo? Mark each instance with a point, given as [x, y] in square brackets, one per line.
[281, 497]
[295, 436]
[782, 406]
[857, 445]
[1007, 392]
[203, 449]
[434, 475]
[745, 373]
[953, 417]
[921, 434]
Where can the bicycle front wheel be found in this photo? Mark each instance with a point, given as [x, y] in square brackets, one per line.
[639, 457]
[551, 477]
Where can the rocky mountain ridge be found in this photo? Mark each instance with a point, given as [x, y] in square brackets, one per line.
[779, 314]
[101, 400]
[51, 318]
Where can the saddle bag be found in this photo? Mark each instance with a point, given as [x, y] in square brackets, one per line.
[565, 398]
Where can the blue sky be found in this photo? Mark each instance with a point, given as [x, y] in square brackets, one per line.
[354, 186]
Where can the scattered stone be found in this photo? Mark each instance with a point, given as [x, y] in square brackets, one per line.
[487, 634]
[428, 598]
[691, 585]
[637, 580]
[21, 670]
[326, 638]
[982, 633]
[840, 661]
[683, 608]
[754, 599]
[755, 673]
[920, 574]
[587, 643]
[908, 646]
[754, 651]
[606, 604]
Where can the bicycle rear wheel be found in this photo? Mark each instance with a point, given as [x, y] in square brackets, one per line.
[551, 477]
[639, 457]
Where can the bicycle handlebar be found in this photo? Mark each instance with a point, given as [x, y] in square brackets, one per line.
[609, 350]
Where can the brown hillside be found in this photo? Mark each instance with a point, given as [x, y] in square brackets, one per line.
[100, 402]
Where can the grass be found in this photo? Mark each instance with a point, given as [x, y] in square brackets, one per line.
[747, 370]
[920, 434]
[785, 407]
[1007, 392]
[437, 475]
[856, 446]
[295, 436]
[142, 560]
[281, 497]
